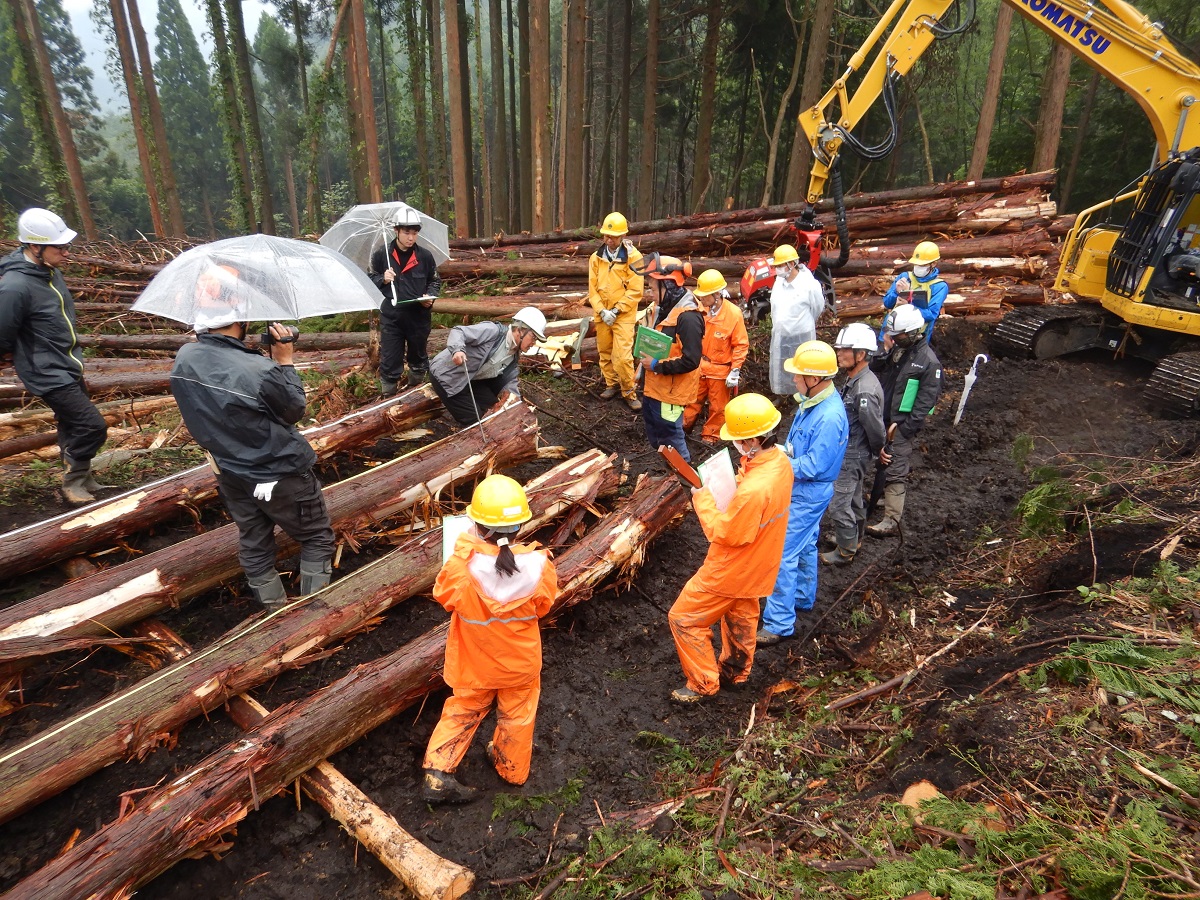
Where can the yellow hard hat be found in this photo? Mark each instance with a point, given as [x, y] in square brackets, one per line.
[709, 282]
[748, 416]
[925, 253]
[784, 253]
[814, 358]
[499, 502]
[615, 225]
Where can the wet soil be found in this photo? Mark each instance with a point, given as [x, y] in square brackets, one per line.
[610, 663]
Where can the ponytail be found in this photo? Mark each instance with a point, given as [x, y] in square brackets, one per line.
[506, 562]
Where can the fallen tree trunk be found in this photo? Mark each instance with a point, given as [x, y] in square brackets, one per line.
[1043, 181]
[255, 653]
[81, 530]
[194, 810]
[146, 585]
[113, 413]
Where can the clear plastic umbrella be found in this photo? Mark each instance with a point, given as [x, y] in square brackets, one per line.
[263, 278]
[968, 383]
[368, 226]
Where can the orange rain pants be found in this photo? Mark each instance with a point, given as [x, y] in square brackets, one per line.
[725, 347]
[493, 653]
[516, 710]
[712, 388]
[692, 617]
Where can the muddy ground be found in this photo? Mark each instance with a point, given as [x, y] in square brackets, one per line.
[610, 664]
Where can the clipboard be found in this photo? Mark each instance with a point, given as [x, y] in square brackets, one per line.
[676, 461]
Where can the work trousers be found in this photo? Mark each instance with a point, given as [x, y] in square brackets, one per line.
[297, 506]
[403, 335]
[659, 431]
[472, 402]
[796, 584]
[81, 429]
[848, 509]
[714, 391]
[516, 710]
[692, 617]
[902, 453]
[614, 343]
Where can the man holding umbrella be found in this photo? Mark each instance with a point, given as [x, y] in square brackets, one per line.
[242, 408]
[406, 274]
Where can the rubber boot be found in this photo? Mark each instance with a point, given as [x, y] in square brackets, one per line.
[268, 590]
[387, 388]
[839, 556]
[415, 377]
[314, 576]
[74, 483]
[443, 787]
[893, 510]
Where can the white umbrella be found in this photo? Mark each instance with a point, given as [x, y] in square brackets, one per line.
[263, 279]
[968, 383]
[368, 226]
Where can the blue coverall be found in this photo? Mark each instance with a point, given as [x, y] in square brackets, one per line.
[928, 295]
[816, 444]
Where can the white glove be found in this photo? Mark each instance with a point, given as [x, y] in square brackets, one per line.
[734, 378]
[608, 316]
[263, 491]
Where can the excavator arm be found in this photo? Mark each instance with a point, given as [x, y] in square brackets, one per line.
[1110, 35]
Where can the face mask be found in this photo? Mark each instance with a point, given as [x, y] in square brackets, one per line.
[920, 271]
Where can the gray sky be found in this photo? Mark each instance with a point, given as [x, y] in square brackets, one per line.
[111, 96]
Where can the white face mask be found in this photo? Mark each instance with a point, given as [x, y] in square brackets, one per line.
[920, 271]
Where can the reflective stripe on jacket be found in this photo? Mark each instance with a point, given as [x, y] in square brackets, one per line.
[726, 343]
[746, 540]
[37, 325]
[494, 641]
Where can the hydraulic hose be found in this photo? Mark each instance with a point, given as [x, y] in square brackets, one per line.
[839, 218]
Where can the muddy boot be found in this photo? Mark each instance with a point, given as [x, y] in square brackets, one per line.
[387, 388]
[893, 510]
[838, 556]
[314, 576]
[415, 377]
[268, 590]
[609, 392]
[74, 483]
[443, 787]
[686, 695]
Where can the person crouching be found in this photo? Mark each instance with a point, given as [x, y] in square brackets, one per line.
[495, 593]
[745, 548]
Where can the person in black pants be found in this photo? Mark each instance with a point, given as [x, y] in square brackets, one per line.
[407, 276]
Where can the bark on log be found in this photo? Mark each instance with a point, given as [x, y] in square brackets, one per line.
[84, 529]
[145, 585]
[1044, 181]
[200, 805]
[133, 722]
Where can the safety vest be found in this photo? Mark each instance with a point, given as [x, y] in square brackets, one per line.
[679, 390]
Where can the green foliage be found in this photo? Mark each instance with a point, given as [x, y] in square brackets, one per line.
[567, 795]
[1021, 449]
[1134, 670]
[1041, 510]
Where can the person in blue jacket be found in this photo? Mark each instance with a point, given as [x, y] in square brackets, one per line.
[816, 445]
[922, 287]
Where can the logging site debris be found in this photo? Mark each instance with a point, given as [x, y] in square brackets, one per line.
[1000, 702]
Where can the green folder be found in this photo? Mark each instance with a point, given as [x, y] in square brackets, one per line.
[651, 343]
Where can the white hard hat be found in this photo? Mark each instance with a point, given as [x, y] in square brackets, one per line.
[906, 319]
[856, 336]
[532, 318]
[40, 226]
[407, 217]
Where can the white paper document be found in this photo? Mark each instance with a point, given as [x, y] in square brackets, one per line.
[716, 474]
[452, 527]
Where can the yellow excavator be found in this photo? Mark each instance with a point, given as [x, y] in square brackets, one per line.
[1136, 274]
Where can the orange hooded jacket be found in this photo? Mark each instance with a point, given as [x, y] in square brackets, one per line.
[746, 540]
[726, 343]
[494, 641]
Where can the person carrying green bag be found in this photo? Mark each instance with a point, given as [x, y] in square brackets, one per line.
[911, 377]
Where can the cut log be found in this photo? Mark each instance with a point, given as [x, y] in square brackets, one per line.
[202, 804]
[143, 586]
[134, 721]
[84, 529]
[118, 411]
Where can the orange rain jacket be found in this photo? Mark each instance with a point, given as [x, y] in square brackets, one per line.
[726, 343]
[746, 540]
[494, 641]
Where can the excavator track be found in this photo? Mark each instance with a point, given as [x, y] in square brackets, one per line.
[1046, 331]
[1174, 385]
